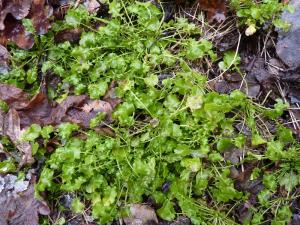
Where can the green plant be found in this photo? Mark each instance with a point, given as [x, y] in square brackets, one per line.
[255, 14]
[170, 133]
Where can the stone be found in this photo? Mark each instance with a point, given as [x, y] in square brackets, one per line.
[288, 45]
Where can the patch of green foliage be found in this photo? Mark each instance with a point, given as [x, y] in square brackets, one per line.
[171, 134]
[255, 14]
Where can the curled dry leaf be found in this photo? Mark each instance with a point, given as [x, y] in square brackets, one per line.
[16, 33]
[10, 127]
[40, 13]
[71, 35]
[216, 9]
[19, 9]
[12, 28]
[19, 206]
[14, 97]
[92, 5]
[4, 59]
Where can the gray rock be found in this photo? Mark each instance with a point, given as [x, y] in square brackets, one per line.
[141, 215]
[288, 45]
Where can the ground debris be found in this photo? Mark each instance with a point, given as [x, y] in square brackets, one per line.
[12, 129]
[216, 9]
[257, 82]
[71, 35]
[4, 59]
[12, 28]
[19, 205]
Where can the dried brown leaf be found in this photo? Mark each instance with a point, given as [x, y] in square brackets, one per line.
[18, 204]
[71, 35]
[216, 9]
[15, 32]
[92, 5]
[4, 59]
[39, 110]
[14, 97]
[40, 14]
[19, 9]
[12, 130]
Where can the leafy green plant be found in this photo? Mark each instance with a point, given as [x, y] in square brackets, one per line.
[254, 14]
[170, 133]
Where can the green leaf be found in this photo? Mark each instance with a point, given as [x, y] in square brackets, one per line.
[285, 134]
[279, 107]
[97, 119]
[32, 133]
[230, 59]
[274, 150]
[193, 164]
[270, 181]
[152, 80]
[224, 144]
[7, 166]
[224, 189]
[257, 140]
[123, 113]
[195, 101]
[171, 102]
[77, 205]
[45, 180]
[283, 216]
[66, 129]
[3, 106]
[76, 16]
[167, 211]
[97, 90]
[202, 178]
[46, 131]
[27, 23]
[289, 181]
[32, 75]
[197, 49]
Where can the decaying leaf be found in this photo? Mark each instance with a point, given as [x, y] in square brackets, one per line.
[11, 27]
[216, 9]
[92, 5]
[18, 205]
[19, 9]
[12, 130]
[21, 37]
[4, 59]
[257, 82]
[14, 97]
[10, 127]
[80, 110]
[71, 35]
[40, 13]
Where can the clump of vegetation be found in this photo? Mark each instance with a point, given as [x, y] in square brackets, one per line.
[255, 14]
[171, 136]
